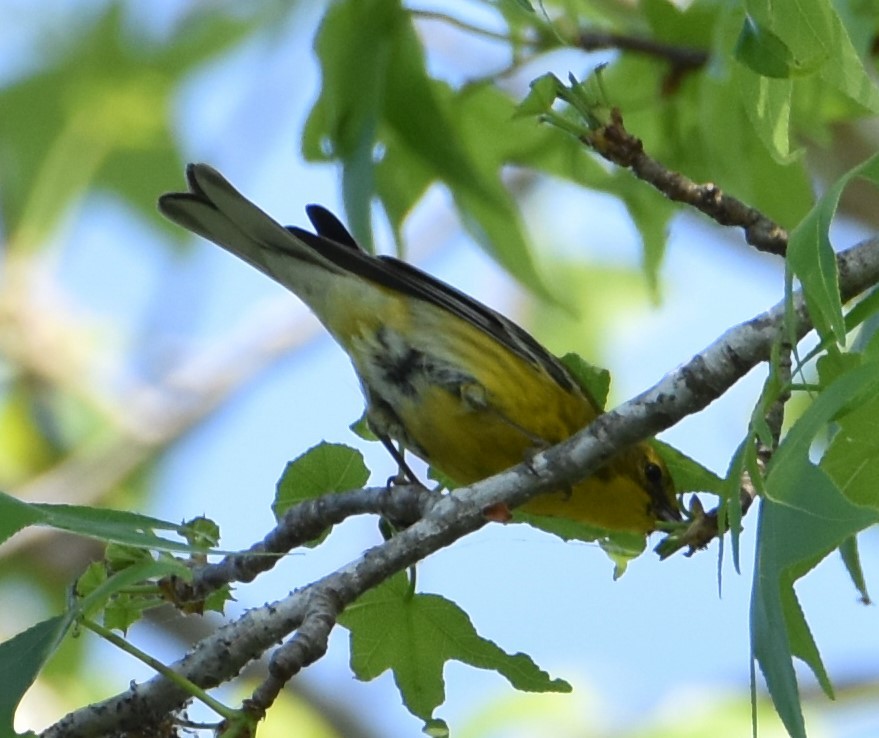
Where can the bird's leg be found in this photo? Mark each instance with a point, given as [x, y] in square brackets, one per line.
[404, 474]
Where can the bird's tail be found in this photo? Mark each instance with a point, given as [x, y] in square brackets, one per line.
[214, 209]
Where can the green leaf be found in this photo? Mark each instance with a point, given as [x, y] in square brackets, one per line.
[813, 32]
[21, 659]
[496, 225]
[119, 556]
[401, 180]
[414, 635]
[767, 103]
[354, 46]
[417, 109]
[847, 392]
[851, 557]
[852, 459]
[361, 429]
[100, 592]
[325, 468]
[103, 104]
[791, 541]
[763, 52]
[621, 547]
[688, 474]
[651, 213]
[118, 526]
[803, 517]
[201, 532]
[484, 123]
[540, 98]
[834, 364]
[864, 309]
[376, 94]
[24, 655]
[730, 129]
[16, 515]
[811, 258]
[593, 380]
[731, 511]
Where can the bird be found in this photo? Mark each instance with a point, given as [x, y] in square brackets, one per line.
[444, 377]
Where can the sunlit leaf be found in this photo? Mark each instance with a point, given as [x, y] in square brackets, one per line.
[415, 635]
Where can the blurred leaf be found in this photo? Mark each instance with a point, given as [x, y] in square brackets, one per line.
[813, 32]
[521, 4]
[401, 180]
[414, 635]
[594, 380]
[354, 47]
[103, 107]
[376, 90]
[651, 213]
[23, 656]
[811, 258]
[864, 309]
[735, 128]
[768, 106]
[28, 443]
[764, 52]
[484, 124]
[540, 97]
[688, 474]
[325, 468]
[834, 364]
[847, 392]
[687, 25]
[21, 659]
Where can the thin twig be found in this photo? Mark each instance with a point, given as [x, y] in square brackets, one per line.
[684, 57]
[299, 525]
[616, 144]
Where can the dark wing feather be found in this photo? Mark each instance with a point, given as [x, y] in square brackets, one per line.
[402, 277]
[329, 226]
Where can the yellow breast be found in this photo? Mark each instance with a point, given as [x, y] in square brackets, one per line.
[470, 407]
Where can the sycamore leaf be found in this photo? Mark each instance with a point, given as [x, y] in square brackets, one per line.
[851, 558]
[852, 459]
[324, 468]
[414, 635]
[803, 517]
[811, 257]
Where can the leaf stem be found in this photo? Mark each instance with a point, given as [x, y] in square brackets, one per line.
[179, 680]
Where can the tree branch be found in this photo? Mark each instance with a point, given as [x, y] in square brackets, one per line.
[687, 390]
[299, 525]
[617, 145]
[682, 58]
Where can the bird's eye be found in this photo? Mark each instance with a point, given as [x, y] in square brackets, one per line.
[653, 473]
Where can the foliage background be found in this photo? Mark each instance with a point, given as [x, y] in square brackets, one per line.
[102, 104]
